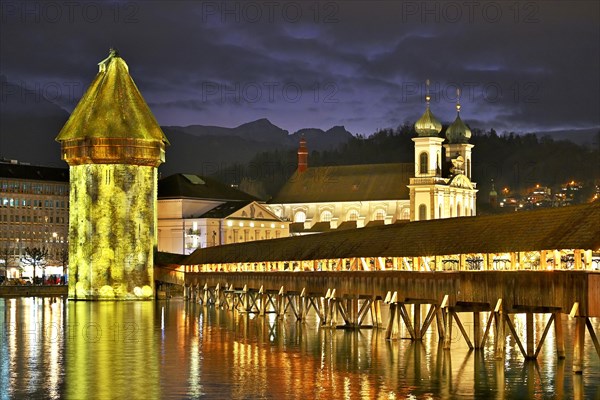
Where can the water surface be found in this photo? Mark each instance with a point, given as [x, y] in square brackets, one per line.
[53, 348]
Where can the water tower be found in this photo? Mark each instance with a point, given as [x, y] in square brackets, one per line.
[113, 146]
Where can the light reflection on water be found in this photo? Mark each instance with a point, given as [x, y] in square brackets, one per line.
[51, 348]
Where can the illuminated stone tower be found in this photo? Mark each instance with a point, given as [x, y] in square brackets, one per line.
[113, 146]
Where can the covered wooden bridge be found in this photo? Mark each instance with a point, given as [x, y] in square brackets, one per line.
[544, 261]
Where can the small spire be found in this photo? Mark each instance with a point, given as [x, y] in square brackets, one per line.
[427, 96]
[458, 100]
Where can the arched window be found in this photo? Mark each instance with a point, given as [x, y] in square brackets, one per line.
[422, 212]
[458, 209]
[300, 216]
[423, 163]
[379, 215]
[326, 216]
[405, 213]
[440, 211]
[469, 168]
[352, 215]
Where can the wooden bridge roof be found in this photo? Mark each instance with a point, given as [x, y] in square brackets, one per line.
[575, 227]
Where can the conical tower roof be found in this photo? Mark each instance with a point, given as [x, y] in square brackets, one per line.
[112, 108]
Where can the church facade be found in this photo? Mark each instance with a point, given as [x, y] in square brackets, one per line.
[321, 199]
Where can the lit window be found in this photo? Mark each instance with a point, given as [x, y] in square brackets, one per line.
[406, 213]
[352, 215]
[300, 216]
[379, 215]
[326, 216]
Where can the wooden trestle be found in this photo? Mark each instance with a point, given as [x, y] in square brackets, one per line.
[414, 300]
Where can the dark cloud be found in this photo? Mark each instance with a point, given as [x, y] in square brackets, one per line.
[521, 65]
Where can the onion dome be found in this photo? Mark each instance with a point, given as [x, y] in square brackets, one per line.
[458, 132]
[428, 125]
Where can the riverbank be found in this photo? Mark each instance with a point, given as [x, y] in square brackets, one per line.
[30, 290]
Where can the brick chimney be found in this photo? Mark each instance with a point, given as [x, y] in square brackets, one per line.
[302, 156]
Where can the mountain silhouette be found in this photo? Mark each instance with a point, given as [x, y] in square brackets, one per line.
[29, 123]
[207, 150]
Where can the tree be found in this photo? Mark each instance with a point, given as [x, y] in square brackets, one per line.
[5, 253]
[64, 260]
[36, 256]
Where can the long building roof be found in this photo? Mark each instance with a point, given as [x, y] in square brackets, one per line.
[189, 186]
[574, 227]
[347, 183]
[33, 172]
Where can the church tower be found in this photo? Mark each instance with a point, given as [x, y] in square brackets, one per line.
[458, 153]
[458, 135]
[113, 146]
[428, 165]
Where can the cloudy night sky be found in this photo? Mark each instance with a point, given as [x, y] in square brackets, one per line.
[523, 66]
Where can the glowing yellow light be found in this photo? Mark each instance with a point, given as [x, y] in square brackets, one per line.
[272, 225]
[112, 245]
[241, 224]
[251, 224]
[229, 223]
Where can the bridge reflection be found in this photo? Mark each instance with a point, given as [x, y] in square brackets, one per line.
[55, 349]
[282, 356]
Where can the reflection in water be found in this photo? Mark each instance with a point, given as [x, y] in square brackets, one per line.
[111, 350]
[52, 348]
